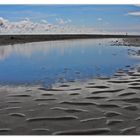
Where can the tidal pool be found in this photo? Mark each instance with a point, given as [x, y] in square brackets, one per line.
[61, 61]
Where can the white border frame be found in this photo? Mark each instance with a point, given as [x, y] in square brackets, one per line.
[69, 1]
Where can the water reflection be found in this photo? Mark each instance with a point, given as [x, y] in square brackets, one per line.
[28, 49]
[53, 61]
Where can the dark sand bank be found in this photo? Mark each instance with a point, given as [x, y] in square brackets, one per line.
[14, 39]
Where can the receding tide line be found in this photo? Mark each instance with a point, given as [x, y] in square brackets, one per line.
[6, 39]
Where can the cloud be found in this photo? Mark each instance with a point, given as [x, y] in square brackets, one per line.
[137, 5]
[134, 13]
[2, 21]
[44, 21]
[69, 20]
[24, 26]
[99, 19]
[27, 26]
[62, 21]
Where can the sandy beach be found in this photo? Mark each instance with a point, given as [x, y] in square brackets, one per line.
[101, 106]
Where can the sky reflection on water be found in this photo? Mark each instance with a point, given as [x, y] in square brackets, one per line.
[59, 61]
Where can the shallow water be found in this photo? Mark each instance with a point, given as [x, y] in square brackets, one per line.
[61, 61]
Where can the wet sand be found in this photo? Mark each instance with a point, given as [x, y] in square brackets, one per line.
[103, 106]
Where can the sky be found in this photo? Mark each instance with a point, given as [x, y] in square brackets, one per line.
[70, 19]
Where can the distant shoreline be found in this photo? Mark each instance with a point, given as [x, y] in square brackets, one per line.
[26, 38]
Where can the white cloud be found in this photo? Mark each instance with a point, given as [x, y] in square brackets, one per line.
[24, 26]
[99, 19]
[2, 21]
[26, 19]
[69, 20]
[27, 26]
[137, 5]
[134, 13]
[44, 21]
[62, 21]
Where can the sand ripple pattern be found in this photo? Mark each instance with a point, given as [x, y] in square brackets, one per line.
[105, 106]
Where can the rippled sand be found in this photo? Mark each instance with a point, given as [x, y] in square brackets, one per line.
[103, 106]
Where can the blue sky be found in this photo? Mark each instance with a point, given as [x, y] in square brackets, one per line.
[96, 16]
